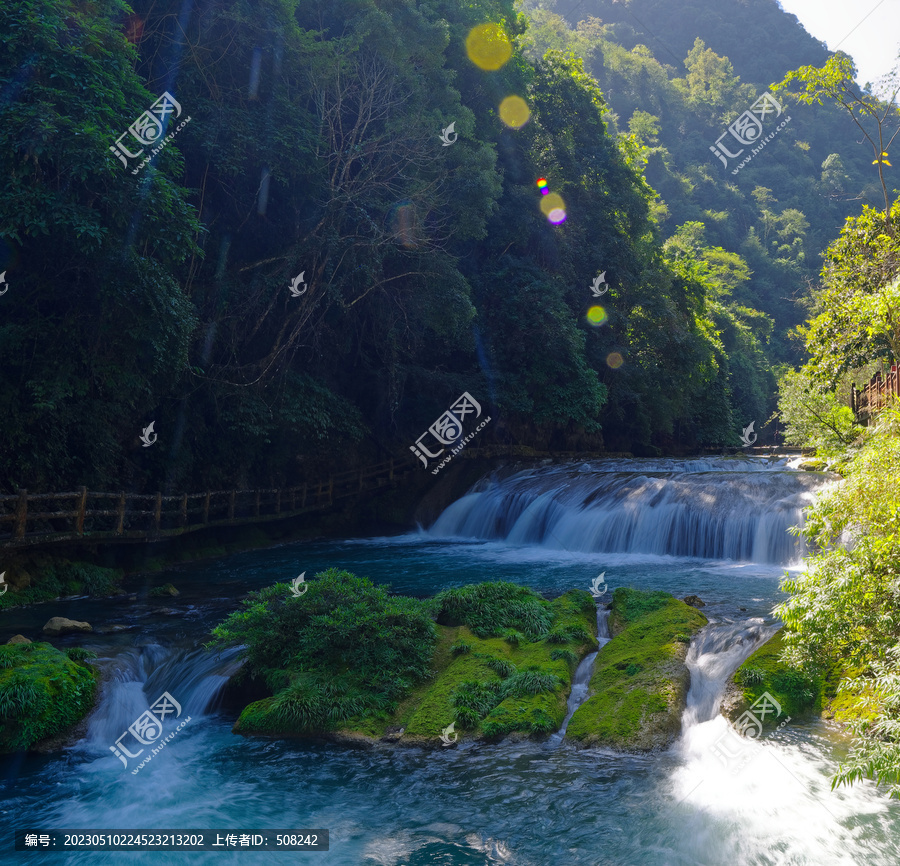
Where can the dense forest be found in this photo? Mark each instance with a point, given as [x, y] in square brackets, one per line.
[306, 151]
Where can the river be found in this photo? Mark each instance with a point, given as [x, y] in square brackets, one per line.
[714, 528]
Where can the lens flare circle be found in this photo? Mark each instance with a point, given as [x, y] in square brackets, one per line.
[614, 360]
[488, 46]
[514, 112]
[596, 316]
[552, 201]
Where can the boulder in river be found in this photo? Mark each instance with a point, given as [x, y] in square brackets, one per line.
[18, 638]
[694, 601]
[165, 589]
[58, 625]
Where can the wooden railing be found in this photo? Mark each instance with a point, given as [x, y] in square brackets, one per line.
[41, 518]
[875, 395]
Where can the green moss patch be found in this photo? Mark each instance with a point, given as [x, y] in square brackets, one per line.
[350, 660]
[797, 693]
[43, 692]
[639, 685]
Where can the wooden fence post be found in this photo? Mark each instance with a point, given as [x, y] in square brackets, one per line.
[82, 504]
[206, 508]
[231, 506]
[120, 521]
[184, 509]
[157, 512]
[21, 513]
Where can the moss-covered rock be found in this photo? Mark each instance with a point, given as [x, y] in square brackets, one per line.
[501, 664]
[44, 692]
[639, 687]
[798, 694]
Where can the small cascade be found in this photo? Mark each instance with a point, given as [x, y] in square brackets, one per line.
[138, 676]
[582, 677]
[713, 509]
[714, 655]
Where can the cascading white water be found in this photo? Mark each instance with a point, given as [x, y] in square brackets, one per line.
[737, 510]
[582, 677]
[137, 677]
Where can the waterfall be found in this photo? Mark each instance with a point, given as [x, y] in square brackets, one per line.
[733, 509]
[135, 679]
[582, 677]
[714, 655]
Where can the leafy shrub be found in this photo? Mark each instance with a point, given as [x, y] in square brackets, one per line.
[569, 634]
[460, 648]
[750, 676]
[467, 718]
[800, 687]
[345, 648]
[565, 655]
[681, 637]
[633, 669]
[490, 608]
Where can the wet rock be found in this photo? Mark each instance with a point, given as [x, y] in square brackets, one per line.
[694, 601]
[165, 589]
[113, 628]
[58, 625]
[392, 734]
[18, 638]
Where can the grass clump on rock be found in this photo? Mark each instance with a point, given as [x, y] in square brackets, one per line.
[344, 649]
[43, 692]
[639, 686]
[796, 692]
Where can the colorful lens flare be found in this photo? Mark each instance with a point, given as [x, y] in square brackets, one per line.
[557, 216]
[596, 316]
[614, 360]
[542, 185]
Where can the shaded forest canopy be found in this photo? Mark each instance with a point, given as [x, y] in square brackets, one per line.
[314, 147]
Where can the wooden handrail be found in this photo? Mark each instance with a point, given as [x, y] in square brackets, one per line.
[160, 516]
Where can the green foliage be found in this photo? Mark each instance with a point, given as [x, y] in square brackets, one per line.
[344, 648]
[813, 416]
[564, 655]
[749, 676]
[494, 609]
[460, 647]
[846, 606]
[43, 692]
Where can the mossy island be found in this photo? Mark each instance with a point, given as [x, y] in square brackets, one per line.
[350, 662]
[44, 694]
